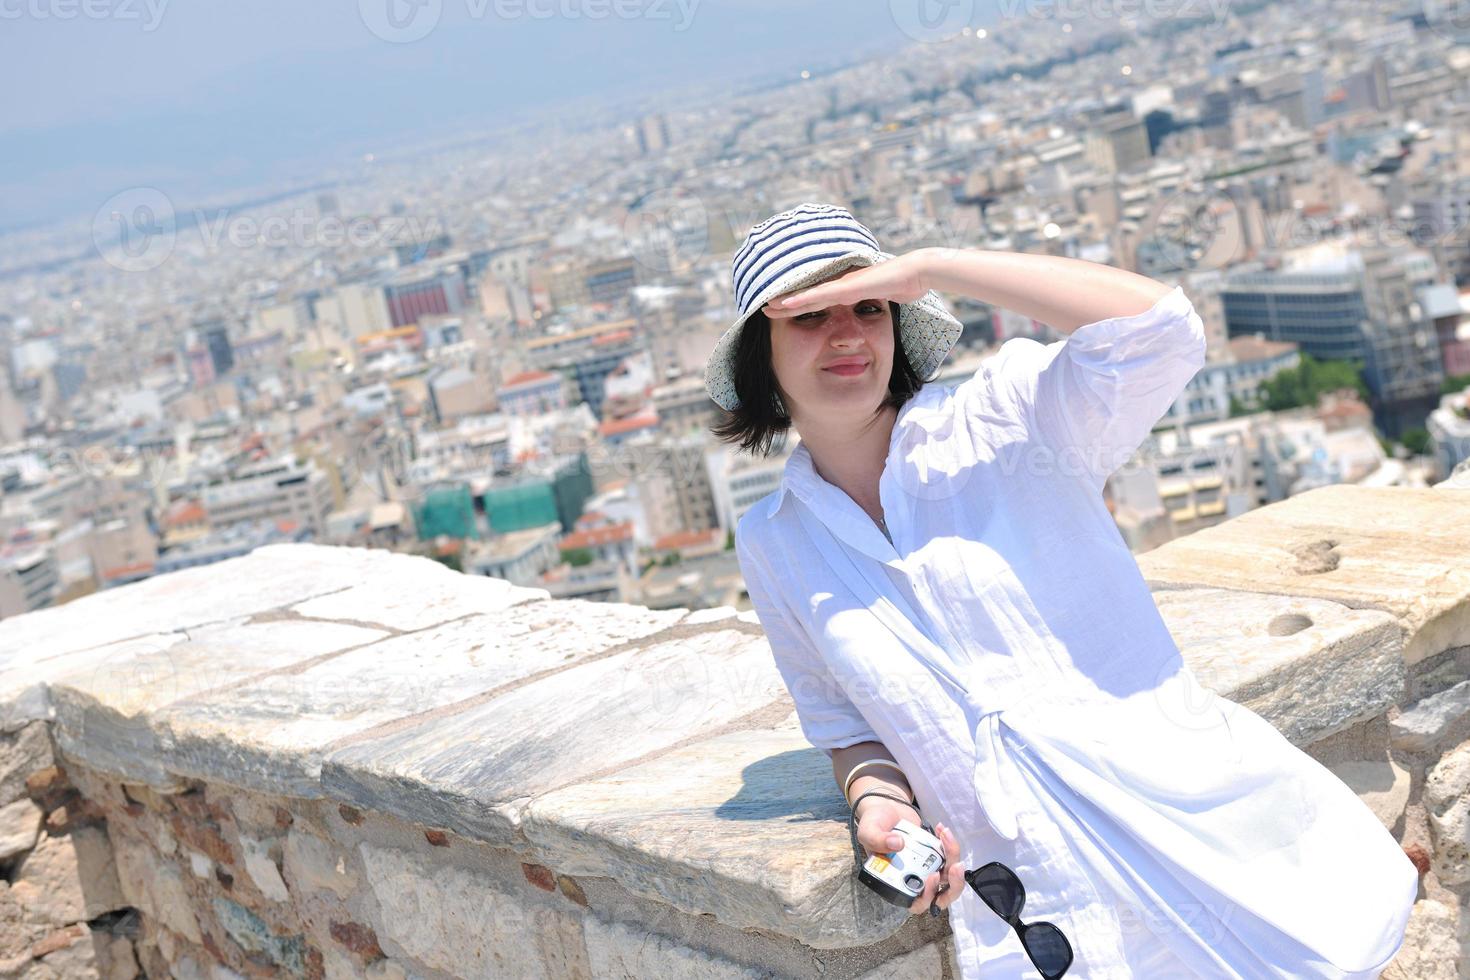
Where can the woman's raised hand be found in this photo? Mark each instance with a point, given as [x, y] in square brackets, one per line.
[876, 835]
[902, 279]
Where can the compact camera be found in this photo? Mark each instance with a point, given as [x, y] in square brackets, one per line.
[899, 876]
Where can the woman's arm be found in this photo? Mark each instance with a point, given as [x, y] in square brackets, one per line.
[883, 778]
[1134, 343]
[876, 818]
[1061, 292]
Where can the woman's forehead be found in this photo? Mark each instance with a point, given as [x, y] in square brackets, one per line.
[828, 306]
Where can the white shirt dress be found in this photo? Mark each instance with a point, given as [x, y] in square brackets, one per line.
[1006, 649]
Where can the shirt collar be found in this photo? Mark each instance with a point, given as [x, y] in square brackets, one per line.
[799, 470]
[800, 476]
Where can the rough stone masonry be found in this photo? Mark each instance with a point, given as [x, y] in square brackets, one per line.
[330, 762]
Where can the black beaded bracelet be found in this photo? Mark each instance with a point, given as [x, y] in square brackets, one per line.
[886, 796]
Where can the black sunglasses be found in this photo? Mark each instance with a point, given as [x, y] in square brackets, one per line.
[1000, 889]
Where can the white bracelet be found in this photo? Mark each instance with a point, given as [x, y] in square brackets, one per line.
[847, 784]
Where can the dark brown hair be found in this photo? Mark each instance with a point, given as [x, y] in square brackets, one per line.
[755, 423]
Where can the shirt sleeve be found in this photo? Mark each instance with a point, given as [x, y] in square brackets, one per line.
[828, 718]
[1093, 397]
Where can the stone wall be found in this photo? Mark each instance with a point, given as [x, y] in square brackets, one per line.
[1388, 571]
[331, 762]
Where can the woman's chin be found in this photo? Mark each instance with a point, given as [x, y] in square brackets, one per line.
[854, 397]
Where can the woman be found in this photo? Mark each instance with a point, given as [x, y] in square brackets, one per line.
[965, 633]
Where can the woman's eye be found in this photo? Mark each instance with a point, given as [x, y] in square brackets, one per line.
[863, 309]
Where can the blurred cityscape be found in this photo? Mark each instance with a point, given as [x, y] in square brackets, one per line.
[491, 353]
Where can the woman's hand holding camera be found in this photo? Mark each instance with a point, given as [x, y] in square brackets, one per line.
[876, 818]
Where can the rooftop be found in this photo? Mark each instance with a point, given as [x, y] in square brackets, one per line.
[1253, 347]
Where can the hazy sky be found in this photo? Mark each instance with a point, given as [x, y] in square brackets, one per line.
[203, 95]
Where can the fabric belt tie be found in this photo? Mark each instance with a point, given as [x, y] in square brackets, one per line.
[999, 785]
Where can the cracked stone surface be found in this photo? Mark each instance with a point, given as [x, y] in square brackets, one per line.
[470, 770]
[691, 842]
[108, 703]
[1308, 666]
[653, 749]
[1399, 549]
[272, 733]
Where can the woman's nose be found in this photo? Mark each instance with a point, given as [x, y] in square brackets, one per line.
[846, 327]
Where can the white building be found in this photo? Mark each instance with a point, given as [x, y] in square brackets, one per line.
[738, 479]
[354, 309]
[28, 580]
[1449, 432]
[519, 557]
[1251, 362]
[278, 490]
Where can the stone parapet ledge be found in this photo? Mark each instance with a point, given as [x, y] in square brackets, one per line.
[1396, 549]
[401, 770]
[1389, 715]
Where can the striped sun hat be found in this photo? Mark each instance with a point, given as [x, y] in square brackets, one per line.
[804, 246]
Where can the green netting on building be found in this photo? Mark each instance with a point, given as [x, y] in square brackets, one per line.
[523, 505]
[573, 487]
[446, 510]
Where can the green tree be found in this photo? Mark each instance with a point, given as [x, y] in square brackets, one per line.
[1416, 441]
[729, 539]
[577, 557]
[453, 559]
[1454, 384]
[1302, 385]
